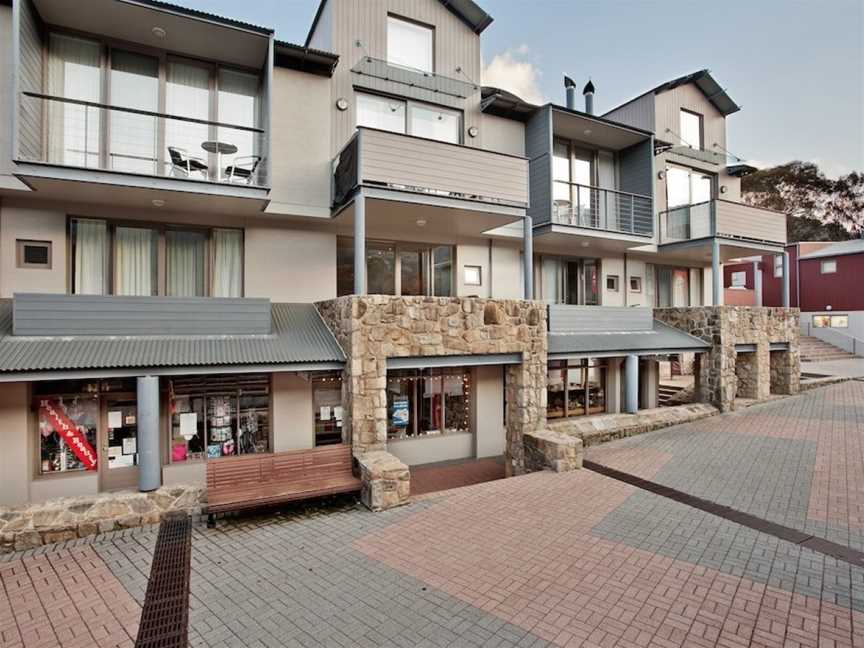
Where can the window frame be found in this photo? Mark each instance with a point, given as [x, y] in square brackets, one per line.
[391, 17]
[161, 252]
[637, 282]
[738, 279]
[778, 266]
[833, 266]
[20, 254]
[420, 375]
[583, 366]
[701, 119]
[615, 281]
[408, 105]
[479, 274]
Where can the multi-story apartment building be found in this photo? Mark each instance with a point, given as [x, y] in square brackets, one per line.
[214, 243]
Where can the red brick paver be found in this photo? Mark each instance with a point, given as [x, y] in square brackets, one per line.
[65, 598]
[523, 550]
[439, 477]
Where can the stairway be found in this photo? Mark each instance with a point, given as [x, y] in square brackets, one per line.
[816, 350]
[666, 392]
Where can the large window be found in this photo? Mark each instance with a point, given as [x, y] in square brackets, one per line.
[831, 321]
[687, 186]
[89, 136]
[427, 402]
[574, 171]
[570, 281]
[124, 259]
[397, 268]
[410, 44]
[219, 416]
[575, 388]
[673, 287]
[691, 129]
[327, 408]
[409, 117]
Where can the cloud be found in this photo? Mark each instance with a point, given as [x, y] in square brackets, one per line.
[510, 71]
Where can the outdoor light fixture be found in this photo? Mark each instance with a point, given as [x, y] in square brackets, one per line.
[587, 131]
[342, 103]
[158, 202]
[724, 189]
[473, 132]
[158, 32]
[421, 222]
[661, 175]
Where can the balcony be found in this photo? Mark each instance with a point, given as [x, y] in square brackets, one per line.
[439, 171]
[724, 219]
[607, 210]
[96, 136]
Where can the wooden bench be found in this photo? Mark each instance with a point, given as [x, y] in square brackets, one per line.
[252, 481]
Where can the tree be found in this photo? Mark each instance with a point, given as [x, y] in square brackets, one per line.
[817, 207]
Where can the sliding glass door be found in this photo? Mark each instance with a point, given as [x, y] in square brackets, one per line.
[134, 137]
[570, 281]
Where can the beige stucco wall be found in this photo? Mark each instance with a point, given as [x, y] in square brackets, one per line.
[612, 266]
[290, 265]
[300, 144]
[14, 462]
[637, 268]
[293, 418]
[472, 255]
[502, 135]
[489, 412]
[39, 224]
[507, 281]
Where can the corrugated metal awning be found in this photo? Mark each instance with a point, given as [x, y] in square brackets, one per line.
[658, 340]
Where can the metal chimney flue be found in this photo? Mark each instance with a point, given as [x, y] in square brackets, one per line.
[570, 87]
[588, 92]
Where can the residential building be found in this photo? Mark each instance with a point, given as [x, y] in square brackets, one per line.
[214, 242]
[822, 283]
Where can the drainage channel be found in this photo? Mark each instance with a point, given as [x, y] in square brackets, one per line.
[165, 615]
[814, 543]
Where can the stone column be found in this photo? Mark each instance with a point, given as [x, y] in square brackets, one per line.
[149, 461]
[360, 244]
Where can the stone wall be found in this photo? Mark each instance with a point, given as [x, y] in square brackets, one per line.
[372, 328]
[727, 326]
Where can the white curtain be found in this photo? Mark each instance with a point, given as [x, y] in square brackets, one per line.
[74, 72]
[91, 257]
[185, 263]
[187, 95]
[238, 105]
[133, 261]
[134, 84]
[227, 263]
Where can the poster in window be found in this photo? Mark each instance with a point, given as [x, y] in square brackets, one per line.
[399, 414]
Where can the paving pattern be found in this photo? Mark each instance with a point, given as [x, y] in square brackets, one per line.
[575, 559]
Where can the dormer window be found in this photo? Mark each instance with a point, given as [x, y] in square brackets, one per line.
[410, 44]
[691, 129]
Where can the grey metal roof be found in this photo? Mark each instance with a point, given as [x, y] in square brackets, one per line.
[305, 59]
[855, 246]
[661, 338]
[205, 15]
[299, 336]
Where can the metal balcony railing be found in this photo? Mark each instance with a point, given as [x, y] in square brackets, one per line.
[603, 209]
[384, 71]
[91, 135]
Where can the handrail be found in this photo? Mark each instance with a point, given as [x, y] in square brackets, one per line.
[691, 205]
[615, 191]
[137, 111]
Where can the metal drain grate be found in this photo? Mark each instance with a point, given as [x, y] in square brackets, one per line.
[165, 615]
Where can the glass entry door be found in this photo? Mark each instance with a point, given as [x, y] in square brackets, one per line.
[119, 468]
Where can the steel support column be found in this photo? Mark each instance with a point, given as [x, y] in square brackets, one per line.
[785, 279]
[149, 462]
[528, 256]
[631, 384]
[360, 244]
[716, 273]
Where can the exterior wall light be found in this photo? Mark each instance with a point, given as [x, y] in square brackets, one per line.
[723, 188]
[661, 175]
[342, 104]
[473, 132]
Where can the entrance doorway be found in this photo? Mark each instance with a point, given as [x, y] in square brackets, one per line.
[119, 441]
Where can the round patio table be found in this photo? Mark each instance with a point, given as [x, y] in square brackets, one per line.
[220, 149]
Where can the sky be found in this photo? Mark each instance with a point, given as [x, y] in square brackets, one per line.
[796, 67]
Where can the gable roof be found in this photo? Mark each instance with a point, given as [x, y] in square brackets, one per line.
[702, 80]
[467, 11]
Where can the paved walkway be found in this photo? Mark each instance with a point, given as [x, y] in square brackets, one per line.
[849, 368]
[575, 559]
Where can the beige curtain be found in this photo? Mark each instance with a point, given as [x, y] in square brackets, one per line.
[227, 263]
[134, 261]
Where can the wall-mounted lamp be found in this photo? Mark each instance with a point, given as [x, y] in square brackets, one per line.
[342, 103]
[723, 188]
[661, 175]
[473, 132]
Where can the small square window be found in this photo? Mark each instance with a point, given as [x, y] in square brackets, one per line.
[828, 266]
[636, 284]
[612, 283]
[778, 266]
[739, 279]
[33, 254]
[473, 275]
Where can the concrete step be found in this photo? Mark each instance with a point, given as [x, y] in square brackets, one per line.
[815, 350]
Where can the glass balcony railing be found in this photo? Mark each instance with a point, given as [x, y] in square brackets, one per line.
[722, 218]
[90, 135]
[602, 209]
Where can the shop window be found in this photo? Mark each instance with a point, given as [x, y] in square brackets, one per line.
[428, 402]
[33, 254]
[219, 416]
[575, 388]
[327, 405]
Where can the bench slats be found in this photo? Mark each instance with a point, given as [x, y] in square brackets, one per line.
[235, 483]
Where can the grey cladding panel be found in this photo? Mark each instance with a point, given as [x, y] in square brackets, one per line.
[635, 169]
[67, 315]
[29, 79]
[577, 319]
[538, 150]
